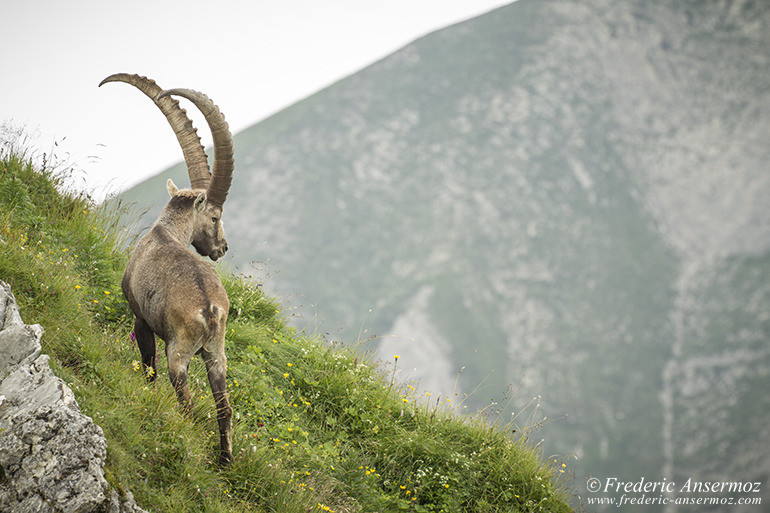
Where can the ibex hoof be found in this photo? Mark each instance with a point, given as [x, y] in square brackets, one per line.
[225, 459]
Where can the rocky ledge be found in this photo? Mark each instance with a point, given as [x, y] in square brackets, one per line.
[51, 455]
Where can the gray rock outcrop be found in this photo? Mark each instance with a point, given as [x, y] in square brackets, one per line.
[51, 455]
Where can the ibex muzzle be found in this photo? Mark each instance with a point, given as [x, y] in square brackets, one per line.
[173, 293]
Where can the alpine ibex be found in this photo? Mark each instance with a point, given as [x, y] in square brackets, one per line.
[173, 293]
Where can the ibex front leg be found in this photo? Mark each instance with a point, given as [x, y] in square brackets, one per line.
[145, 339]
[216, 367]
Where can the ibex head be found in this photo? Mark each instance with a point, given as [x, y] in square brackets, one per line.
[204, 218]
[209, 190]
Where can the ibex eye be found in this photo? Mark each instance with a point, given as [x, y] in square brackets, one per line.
[214, 220]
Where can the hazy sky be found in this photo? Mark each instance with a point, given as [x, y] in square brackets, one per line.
[253, 58]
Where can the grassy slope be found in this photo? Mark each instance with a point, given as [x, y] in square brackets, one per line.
[317, 428]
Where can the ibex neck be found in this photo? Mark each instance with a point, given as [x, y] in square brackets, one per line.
[179, 226]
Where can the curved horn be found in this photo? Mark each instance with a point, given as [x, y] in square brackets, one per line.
[194, 155]
[224, 162]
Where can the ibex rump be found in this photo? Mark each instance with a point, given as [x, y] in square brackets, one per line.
[173, 293]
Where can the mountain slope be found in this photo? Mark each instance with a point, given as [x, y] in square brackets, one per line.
[572, 194]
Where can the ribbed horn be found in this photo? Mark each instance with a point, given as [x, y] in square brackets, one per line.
[224, 161]
[194, 155]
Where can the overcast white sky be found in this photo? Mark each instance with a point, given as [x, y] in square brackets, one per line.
[253, 58]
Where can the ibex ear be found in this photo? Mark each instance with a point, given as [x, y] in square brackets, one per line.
[171, 188]
[200, 202]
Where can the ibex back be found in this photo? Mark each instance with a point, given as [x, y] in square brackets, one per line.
[172, 292]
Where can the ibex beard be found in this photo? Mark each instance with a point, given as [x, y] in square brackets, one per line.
[172, 292]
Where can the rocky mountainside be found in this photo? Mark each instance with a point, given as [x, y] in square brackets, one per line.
[51, 455]
[568, 194]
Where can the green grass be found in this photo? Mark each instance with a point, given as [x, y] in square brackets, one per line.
[317, 427]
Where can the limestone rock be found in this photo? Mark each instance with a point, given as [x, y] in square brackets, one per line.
[51, 455]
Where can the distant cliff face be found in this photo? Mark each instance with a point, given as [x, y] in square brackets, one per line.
[51, 455]
[569, 193]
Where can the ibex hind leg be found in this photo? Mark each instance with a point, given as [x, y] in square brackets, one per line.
[216, 368]
[145, 339]
[178, 365]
